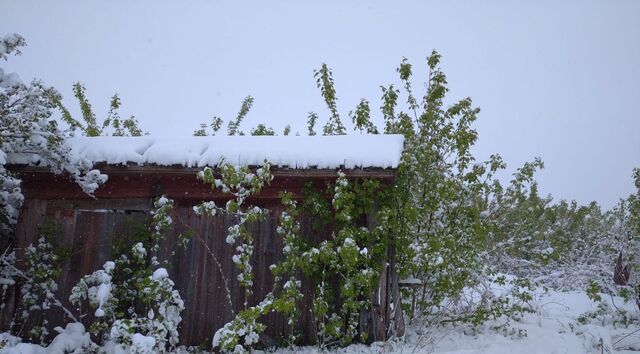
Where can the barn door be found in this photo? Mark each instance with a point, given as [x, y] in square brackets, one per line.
[82, 231]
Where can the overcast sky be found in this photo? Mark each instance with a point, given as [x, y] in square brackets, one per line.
[559, 80]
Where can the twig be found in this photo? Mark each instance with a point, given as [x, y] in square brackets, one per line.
[625, 336]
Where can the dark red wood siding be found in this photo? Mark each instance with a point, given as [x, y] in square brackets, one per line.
[88, 227]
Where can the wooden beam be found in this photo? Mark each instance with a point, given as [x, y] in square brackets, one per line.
[377, 173]
[180, 183]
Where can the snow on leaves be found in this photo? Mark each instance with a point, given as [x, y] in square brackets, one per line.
[28, 129]
[240, 182]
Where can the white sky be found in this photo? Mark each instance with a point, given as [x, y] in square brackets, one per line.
[559, 80]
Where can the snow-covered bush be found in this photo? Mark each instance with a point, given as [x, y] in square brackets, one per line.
[30, 135]
[440, 196]
[135, 304]
[243, 332]
[73, 339]
[42, 268]
[36, 279]
[151, 308]
[8, 274]
[561, 245]
[29, 132]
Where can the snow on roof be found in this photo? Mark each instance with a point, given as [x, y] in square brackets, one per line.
[381, 151]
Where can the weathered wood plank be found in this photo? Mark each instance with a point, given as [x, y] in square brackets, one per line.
[125, 183]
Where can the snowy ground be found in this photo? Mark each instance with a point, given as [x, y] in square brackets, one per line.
[554, 328]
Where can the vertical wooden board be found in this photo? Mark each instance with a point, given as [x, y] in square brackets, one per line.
[395, 316]
[31, 220]
[379, 307]
[200, 270]
[267, 251]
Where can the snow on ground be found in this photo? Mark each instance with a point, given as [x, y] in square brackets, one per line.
[383, 151]
[552, 329]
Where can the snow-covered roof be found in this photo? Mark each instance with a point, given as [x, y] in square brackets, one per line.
[301, 152]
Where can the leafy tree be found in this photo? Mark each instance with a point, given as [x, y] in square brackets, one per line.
[441, 196]
[120, 127]
[440, 189]
[324, 81]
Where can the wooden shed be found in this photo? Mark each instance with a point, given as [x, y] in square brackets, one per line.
[142, 169]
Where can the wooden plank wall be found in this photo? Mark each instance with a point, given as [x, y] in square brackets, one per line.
[90, 226]
[199, 269]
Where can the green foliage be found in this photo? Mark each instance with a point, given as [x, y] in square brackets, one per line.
[311, 123]
[41, 269]
[509, 307]
[445, 205]
[262, 129]
[606, 313]
[234, 125]
[593, 291]
[438, 200]
[216, 124]
[393, 123]
[354, 254]
[287, 271]
[240, 182]
[90, 127]
[439, 192]
[324, 81]
[287, 130]
[316, 206]
[361, 118]
[38, 272]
